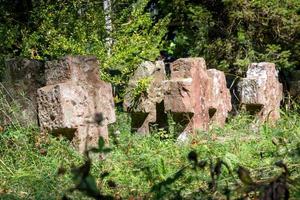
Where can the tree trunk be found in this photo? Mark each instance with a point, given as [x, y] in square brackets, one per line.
[108, 25]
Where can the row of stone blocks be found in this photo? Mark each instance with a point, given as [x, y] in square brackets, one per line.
[67, 95]
[197, 97]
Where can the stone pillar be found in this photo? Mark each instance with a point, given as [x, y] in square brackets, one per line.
[21, 80]
[220, 102]
[188, 92]
[147, 107]
[72, 98]
[260, 92]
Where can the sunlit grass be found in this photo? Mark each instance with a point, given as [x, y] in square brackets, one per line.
[29, 161]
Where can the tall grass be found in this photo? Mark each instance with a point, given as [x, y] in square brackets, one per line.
[30, 161]
[138, 163]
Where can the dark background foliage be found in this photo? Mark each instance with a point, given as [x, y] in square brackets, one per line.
[228, 34]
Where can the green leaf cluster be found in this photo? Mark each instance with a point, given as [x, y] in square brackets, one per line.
[68, 27]
[136, 39]
[142, 86]
[230, 34]
[77, 27]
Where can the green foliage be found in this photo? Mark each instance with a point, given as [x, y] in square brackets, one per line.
[174, 128]
[84, 181]
[9, 107]
[52, 29]
[141, 86]
[77, 27]
[170, 132]
[136, 38]
[228, 34]
[150, 161]
[9, 35]
[231, 34]
[29, 163]
[70, 27]
[35, 165]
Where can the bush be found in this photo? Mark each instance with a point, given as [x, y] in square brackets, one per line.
[230, 34]
[56, 29]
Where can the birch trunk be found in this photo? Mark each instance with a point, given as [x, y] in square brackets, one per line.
[108, 25]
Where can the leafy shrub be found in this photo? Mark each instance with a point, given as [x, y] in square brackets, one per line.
[56, 29]
[230, 34]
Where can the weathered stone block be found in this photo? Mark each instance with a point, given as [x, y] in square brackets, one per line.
[189, 96]
[24, 70]
[179, 96]
[104, 102]
[146, 108]
[220, 102]
[21, 80]
[64, 105]
[69, 109]
[249, 91]
[260, 92]
[188, 93]
[186, 68]
[75, 68]
[74, 96]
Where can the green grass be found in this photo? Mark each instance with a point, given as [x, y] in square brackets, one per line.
[137, 163]
[29, 170]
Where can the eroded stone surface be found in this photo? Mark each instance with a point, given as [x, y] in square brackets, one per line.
[187, 93]
[189, 96]
[84, 69]
[261, 92]
[220, 102]
[72, 98]
[21, 80]
[146, 108]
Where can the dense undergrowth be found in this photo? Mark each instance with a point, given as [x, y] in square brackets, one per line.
[38, 166]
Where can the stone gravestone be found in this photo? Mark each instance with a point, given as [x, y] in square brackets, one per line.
[22, 78]
[197, 97]
[187, 93]
[72, 98]
[193, 96]
[148, 107]
[261, 92]
[220, 98]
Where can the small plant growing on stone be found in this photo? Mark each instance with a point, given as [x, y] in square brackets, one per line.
[174, 128]
[141, 87]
